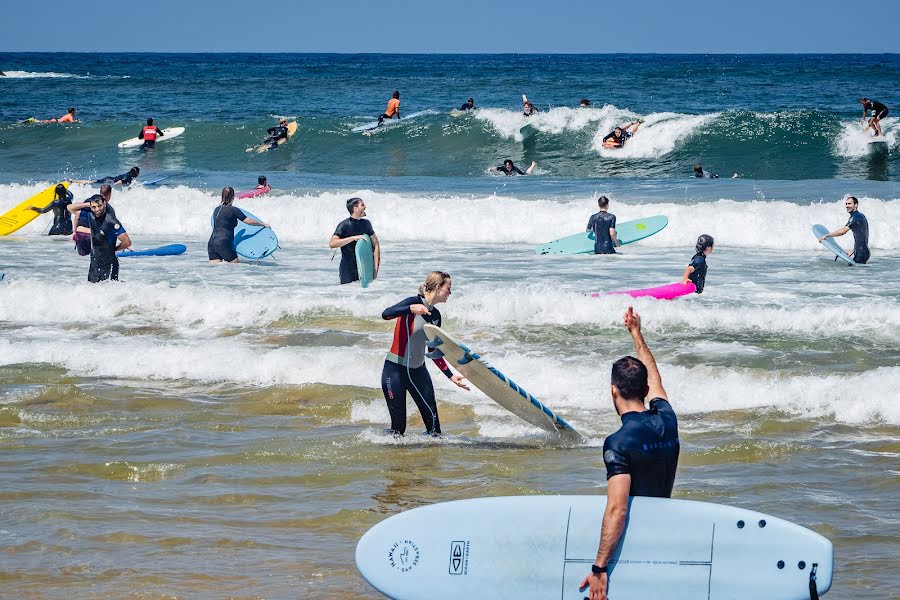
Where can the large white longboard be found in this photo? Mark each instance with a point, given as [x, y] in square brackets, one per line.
[495, 385]
[168, 134]
[541, 547]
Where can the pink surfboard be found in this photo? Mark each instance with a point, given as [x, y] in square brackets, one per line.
[663, 292]
[253, 193]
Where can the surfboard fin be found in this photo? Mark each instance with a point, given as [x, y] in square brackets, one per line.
[434, 354]
[434, 343]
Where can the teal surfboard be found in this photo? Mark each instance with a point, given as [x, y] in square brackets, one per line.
[819, 231]
[628, 232]
[365, 260]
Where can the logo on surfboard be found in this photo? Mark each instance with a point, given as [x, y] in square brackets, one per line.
[404, 555]
[459, 558]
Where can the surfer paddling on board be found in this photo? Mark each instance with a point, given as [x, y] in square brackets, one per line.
[69, 117]
[468, 105]
[620, 135]
[276, 133]
[123, 179]
[603, 225]
[225, 218]
[404, 368]
[879, 111]
[393, 108]
[107, 236]
[642, 456]
[695, 272]
[528, 108]
[859, 225]
[509, 168]
[347, 233]
[263, 184]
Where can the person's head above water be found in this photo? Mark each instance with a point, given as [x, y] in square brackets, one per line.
[470, 101]
[863, 100]
[396, 94]
[282, 121]
[436, 287]
[851, 203]
[98, 204]
[584, 103]
[149, 121]
[356, 207]
[698, 170]
[628, 381]
[704, 245]
[508, 164]
[603, 202]
[227, 195]
[72, 111]
[134, 172]
[60, 191]
[261, 180]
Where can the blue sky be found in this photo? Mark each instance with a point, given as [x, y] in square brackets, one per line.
[423, 26]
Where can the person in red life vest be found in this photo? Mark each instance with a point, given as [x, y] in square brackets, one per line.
[149, 134]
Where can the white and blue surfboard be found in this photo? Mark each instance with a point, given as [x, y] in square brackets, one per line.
[495, 385]
[831, 244]
[542, 547]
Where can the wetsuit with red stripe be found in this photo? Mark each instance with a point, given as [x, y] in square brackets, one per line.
[404, 367]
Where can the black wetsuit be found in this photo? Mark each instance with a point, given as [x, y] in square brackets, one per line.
[698, 277]
[221, 242]
[467, 106]
[600, 223]
[82, 239]
[124, 179]
[645, 447]
[348, 228]
[513, 171]
[279, 132]
[104, 232]
[62, 218]
[705, 175]
[620, 140]
[860, 228]
[878, 109]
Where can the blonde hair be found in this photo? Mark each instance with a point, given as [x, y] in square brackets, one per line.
[433, 281]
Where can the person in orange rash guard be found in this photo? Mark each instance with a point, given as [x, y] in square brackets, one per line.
[393, 108]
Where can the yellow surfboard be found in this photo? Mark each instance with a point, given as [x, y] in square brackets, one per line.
[292, 129]
[22, 215]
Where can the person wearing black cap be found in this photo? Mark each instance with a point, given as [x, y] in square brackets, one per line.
[347, 233]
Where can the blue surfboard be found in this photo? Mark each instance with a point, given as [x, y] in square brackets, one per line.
[365, 261]
[252, 241]
[627, 232]
[170, 250]
[819, 231]
[155, 181]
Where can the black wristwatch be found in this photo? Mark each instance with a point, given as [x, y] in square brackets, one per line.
[598, 570]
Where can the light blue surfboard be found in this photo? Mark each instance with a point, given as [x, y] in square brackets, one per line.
[540, 547]
[156, 180]
[170, 250]
[627, 232]
[252, 241]
[365, 261]
[495, 385]
[831, 244]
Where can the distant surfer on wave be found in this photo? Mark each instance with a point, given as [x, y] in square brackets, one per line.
[859, 225]
[276, 133]
[468, 105]
[509, 168]
[695, 272]
[528, 108]
[585, 103]
[404, 368]
[393, 108]
[62, 219]
[879, 111]
[700, 173]
[620, 135]
[603, 226]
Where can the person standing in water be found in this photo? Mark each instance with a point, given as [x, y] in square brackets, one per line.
[347, 233]
[393, 108]
[62, 218]
[149, 133]
[225, 218]
[404, 368]
[603, 225]
[859, 225]
[108, 236]
[695, 272]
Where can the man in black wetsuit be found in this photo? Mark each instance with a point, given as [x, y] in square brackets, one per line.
[469, 105]
[879, 111]
[509, 168]
[62, 218]
[858, 224]
[345, 236]
[123, 179]
[279, 132]
[107, 237]
[642, 456]
[603, 224]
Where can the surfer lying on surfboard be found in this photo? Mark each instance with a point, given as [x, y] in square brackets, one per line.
[620, 135]
[123, 179]
[509, 168]
[393, 108]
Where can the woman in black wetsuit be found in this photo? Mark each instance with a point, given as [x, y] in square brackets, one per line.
[62, 220]
[696, 269]
[225, 219]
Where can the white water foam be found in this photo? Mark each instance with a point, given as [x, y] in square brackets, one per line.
[659, 134]
[36, 75]
[853, 141]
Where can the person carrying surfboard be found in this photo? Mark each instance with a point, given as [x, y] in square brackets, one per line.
[695, 272]
[393, 108]
[62, 219]
[603, 225]
[642, 456]
[859, 225]
[879, 111]
[108, 236]
[404, 367]
[347, 233]
[220, 246]
[149, 133]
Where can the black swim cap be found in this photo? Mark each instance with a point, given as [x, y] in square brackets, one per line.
[703, 242]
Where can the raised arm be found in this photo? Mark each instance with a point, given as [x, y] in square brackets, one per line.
[654, 381]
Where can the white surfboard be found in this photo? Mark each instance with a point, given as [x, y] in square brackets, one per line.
[495, 385]
[168, 134]
[540, 547]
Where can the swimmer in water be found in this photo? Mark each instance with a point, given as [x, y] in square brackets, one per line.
[225, 218]
[603, 225]
[585, 103]
[468, 105]
[528, 108]
[859, 225]
[508, 168]
[699, 172]
[620, 135]
[392, 110]
[404, 368]
[696, 270]
[62, 218]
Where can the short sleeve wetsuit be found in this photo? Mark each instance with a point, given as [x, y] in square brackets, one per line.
[105, 230]
[878, 109]
[600, 223]
[279, 132]
[393, 108]
[859, 225]
[698, 276]
[404, 367]
[645, 447]
[619, 140]
[221, 241]
[62, 219]
[513, 171]
[348, 228]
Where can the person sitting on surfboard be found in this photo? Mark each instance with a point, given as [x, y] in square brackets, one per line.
[642, 456]
[404, 368]
[149, 133]
[509, 168]
[603, 225]
[859, 225]
[69, 117]
[695, 272]
[879, 111]
[468, 105]
[347, 233]
[279, 132]
[393, 108]
[108, 236]
[62, 219]
[620, 135]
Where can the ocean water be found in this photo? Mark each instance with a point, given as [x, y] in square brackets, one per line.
[218, 431]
